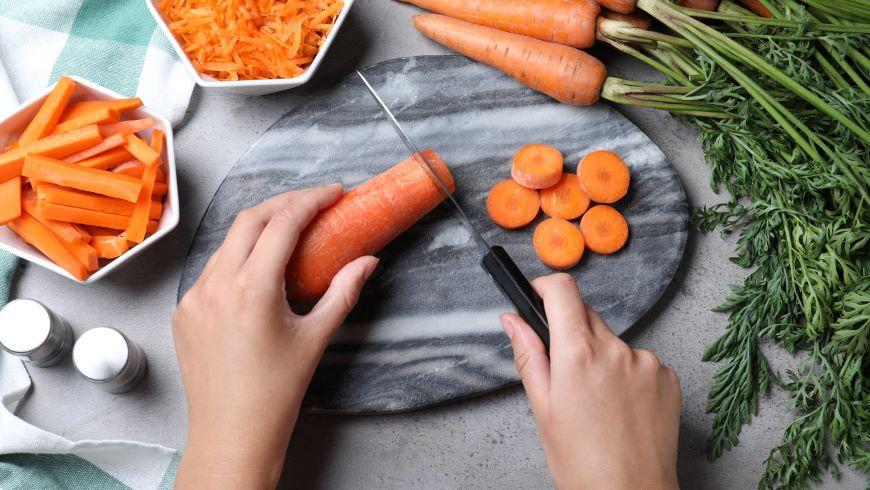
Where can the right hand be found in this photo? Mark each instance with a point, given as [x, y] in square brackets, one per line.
[608, 414]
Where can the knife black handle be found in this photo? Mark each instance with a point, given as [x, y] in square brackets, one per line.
[518, 290]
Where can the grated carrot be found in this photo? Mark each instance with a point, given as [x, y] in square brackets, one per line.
[251, 39]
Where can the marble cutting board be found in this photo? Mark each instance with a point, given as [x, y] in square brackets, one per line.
[426, 328]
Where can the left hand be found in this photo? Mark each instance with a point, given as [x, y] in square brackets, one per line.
[245, 357]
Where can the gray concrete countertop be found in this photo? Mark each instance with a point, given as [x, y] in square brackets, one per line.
[487, 442]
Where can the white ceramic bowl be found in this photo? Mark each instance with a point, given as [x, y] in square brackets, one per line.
[249, 87]
[11, 126]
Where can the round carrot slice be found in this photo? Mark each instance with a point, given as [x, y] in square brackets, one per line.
[566, 199]
[603, 176]
[559, 243]
[604, 229]
[537, 166]
[511, 205]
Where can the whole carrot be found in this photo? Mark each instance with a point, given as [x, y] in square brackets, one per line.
[699, 4]
[562, 72]
[363, 221]
[569, 22]
[621, 6]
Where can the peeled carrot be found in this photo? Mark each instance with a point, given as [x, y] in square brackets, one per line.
[135, 169]
[569, 22]
[160, 190]
[142, 209]
[537, 166]
[140, 150]
[86, 237]
[621, 6]
[110, 247]
[558, 243]
[10, 200]
[129, 126]
[85, 253]
[82, 178]
[107, 159]
[157, 141]
[55, 146]
[699, 4]
[566, 199]
[81, 216]
[363, 221]
[109, 143]
[33, 232]
[45, 120]
[96, 117]
[511, 205]
[604, 177]
[67, 232]
[96, 231]
[85, 200]
[604, 229]
[757, 7]
[80, 109]
[562, 72]
[638, 18]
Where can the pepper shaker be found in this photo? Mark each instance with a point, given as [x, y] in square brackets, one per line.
[29, 330]
[109, 359]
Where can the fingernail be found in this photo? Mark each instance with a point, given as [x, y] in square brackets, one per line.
[334, 185]
[370, 268]
[507, 323]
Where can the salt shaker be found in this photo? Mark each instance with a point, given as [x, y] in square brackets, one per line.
[109, 359]
[29, 330]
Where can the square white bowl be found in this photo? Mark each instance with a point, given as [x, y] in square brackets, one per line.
[248, 87]
[12, 125]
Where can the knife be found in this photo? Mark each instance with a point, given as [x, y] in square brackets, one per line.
[496, 261]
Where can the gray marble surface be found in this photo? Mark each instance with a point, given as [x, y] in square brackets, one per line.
[426, 328]
[486, 442]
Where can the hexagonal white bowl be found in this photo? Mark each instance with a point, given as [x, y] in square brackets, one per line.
[249, 87]
[12, 125]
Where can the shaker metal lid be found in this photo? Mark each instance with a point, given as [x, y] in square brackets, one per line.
[101, 353]
[24, 325]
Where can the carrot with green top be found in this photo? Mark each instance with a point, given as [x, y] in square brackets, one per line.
[82, 178]
[45, 120]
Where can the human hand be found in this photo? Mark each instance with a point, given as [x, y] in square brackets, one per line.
[245, 357]
[608, 415]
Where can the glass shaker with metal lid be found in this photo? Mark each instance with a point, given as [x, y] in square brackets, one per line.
[34, 333]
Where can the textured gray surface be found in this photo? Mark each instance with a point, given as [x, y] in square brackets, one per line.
[426, 330]
[486, 442]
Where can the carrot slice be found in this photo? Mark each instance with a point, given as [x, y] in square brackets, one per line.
[67, 232]
[558, 243]
[135, 169]
[109, 143]
[129, 126]
[141, 151]
[97, 117]
[10, 200]
[511, 205]
[603, 176]
[81, 216]
[85, 200]
[107, 159]
[566, 199]
[80, 109]
[33, 232]
[82, 178]
[537, 166]
[604, 229]
[110, 247]
[45, 120]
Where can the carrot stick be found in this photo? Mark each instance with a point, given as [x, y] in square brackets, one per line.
[55, 146]
[135, 169]
[621, 6]
[85, 200]
[362, 222]
[568, 22]
[110, 247]
[86, 237]
[142, 210]
[604, 229]
[160, 190]
[67, 232]
[638, 18]
[33, 232]
[46, 118]
[511, 205]
[12, 145]
[81, 216]
[558, 243]
[85, 253]
[757, 7]
[604, 177]
[130, 126]
[109, 143]
[152, 227]
[96, 117]
[80, 109]
[537, 166]
[96, 231]
[157, 141]
[564, 73]
[10, 200]
[699, 4]
[107, 159]
[82, 178]
[140, 150]
[566, 199]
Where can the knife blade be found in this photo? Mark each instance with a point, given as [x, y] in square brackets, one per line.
[495, 259]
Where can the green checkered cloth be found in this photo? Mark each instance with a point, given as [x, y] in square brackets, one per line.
[116, 44]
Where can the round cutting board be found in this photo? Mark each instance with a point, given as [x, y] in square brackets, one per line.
[426, 328]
